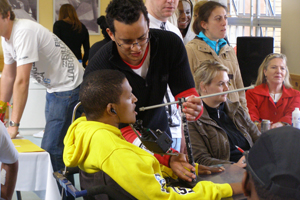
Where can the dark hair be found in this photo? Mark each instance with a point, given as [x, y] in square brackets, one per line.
[203, 14]
[101, 21]
[68, 11]
[99, 89]
[125, 11]
[5, 8]
[264, 194]
[192, 9]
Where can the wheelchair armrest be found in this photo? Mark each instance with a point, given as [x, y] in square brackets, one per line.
[68, 186]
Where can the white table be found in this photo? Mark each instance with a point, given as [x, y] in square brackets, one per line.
[35, 174]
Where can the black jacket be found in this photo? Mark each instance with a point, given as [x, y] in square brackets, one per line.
[168, 65]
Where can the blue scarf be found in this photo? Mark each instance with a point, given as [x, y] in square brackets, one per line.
[213, 44]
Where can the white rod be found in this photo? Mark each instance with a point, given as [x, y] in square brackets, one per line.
[200, 97]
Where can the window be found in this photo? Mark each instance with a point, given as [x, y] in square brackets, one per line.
[254, 18]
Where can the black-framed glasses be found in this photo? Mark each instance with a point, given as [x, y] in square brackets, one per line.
[140, 42]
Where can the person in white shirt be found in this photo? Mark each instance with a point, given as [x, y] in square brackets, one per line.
[9, 167]
[158, 12]
[29, 49]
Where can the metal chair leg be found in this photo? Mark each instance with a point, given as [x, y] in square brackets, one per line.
[19, 197]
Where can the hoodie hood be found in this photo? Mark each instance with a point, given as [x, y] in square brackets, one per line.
[78, 138]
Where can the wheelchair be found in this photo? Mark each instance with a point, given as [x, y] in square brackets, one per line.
[95, 186]
[106, 188]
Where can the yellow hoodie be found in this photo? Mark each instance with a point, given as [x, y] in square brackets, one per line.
[95, 146]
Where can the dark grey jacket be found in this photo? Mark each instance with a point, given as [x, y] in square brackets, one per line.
[209, 141]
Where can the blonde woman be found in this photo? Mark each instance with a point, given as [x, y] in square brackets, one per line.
[223, 123]
[273, 98]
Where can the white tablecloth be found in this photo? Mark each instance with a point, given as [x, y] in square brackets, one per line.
[35, 174]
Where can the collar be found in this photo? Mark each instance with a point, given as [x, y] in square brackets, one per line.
[14, 22]
[155, 21]
[229, 107]
[214, 110]
[143, 60]
[216, 46]
[263, 90]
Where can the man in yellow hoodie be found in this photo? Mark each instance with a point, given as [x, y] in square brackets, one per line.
[95, 143]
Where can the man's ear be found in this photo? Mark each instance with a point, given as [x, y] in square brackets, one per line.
[246, 186]
[8, 15]
[111, 35]
[110, 109]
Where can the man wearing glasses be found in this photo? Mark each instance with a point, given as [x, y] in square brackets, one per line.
[151, 59]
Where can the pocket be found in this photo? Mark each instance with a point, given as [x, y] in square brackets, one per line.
[216, 142]
[63, 95]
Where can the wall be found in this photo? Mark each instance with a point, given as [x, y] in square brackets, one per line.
[46, 16]
[46, 19]
[290, 40]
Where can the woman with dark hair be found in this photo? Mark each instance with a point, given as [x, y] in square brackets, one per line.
[184, 20]
[101, 21]
[209, 44]
[72, 32]
[273, 98]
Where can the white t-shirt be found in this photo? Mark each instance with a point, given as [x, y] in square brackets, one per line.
[8, 152]
[175, 116]
[53, 64]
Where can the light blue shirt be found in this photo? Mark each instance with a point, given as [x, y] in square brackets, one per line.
[216, 46]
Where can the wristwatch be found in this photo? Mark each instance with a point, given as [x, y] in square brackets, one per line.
[14, 124]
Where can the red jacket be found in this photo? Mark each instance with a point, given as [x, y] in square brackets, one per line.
[261, 105]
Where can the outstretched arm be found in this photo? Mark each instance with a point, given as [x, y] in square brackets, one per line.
[20, 94]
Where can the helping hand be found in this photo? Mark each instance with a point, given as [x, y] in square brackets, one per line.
[192, 108]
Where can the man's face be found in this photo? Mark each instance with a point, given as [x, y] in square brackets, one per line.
[162, 9]
[127, 36]
[126, 107]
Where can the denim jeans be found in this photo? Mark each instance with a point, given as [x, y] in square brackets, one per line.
[58, 112]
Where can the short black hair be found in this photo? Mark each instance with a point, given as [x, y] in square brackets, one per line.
[125, 11]
[101, 21]
[99, 89]
[264, 194]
